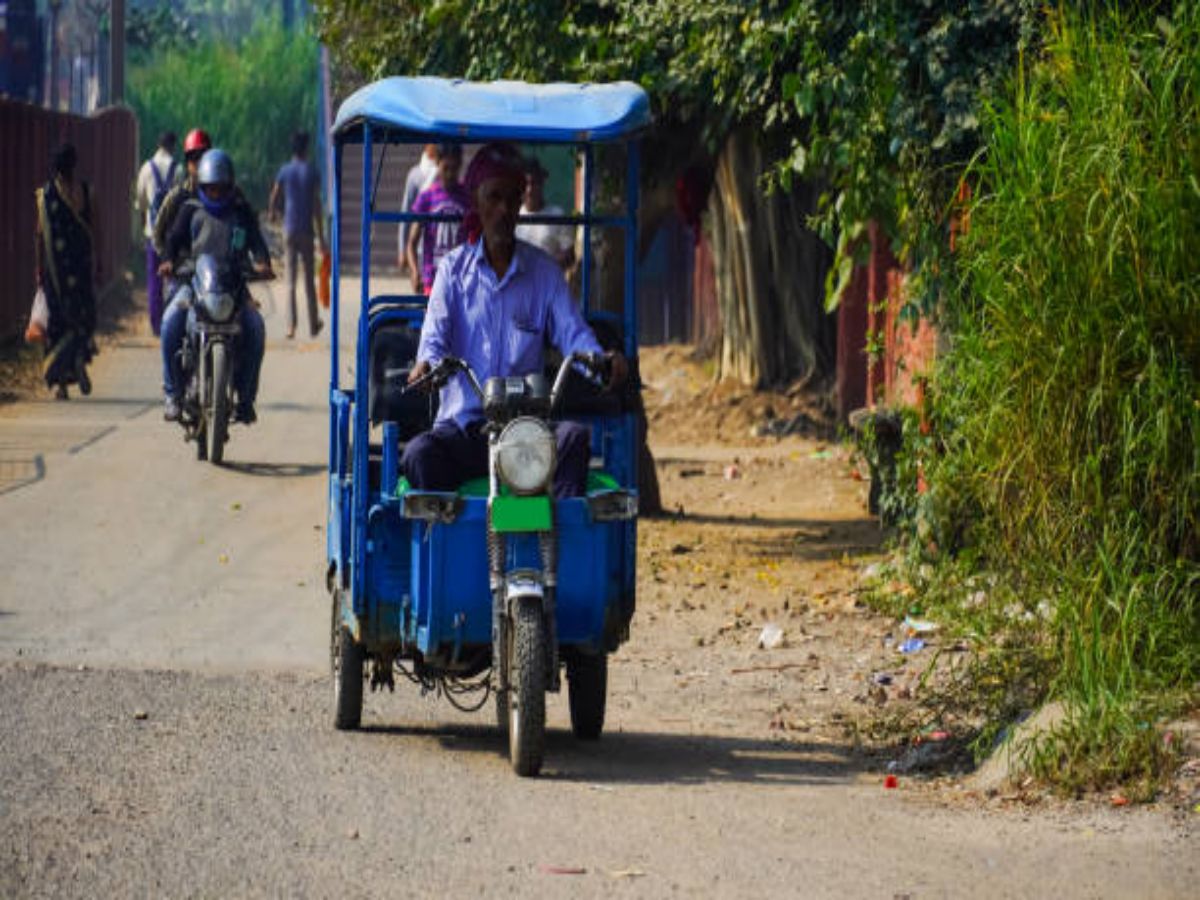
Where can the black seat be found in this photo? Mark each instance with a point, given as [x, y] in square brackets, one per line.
[393, 351]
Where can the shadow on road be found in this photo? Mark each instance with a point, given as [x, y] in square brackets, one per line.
[632, 757]
[286, 406]
[810, 539]
[140, 404]
[276, 470]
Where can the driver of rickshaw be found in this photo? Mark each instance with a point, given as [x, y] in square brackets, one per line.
[495, 301]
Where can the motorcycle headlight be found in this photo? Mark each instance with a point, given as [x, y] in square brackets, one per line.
[525, 455]
[218, 306]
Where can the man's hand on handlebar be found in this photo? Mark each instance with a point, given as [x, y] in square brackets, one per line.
[420, 370]
[618, 369]
[166, 269]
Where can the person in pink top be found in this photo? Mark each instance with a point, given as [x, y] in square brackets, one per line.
[444, 197]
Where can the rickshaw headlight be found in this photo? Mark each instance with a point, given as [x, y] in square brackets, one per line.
[525, 456]
[219, 306]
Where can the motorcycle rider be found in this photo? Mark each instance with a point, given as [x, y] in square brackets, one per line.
[217, 221]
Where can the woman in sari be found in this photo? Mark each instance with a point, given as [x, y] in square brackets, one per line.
[67, 263]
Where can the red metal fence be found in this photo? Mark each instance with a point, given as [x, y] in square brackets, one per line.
[107, 145]
[869, 315]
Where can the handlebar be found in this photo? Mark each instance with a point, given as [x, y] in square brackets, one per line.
[598, 368]
[443, 372]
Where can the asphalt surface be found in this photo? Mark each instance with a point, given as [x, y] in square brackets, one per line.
[165, 716]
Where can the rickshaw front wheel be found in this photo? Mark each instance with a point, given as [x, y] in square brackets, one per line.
[587, 694]
[346, 658]
[527, 688]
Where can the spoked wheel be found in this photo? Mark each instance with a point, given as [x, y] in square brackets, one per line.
[346, 659]
[527, 688]
[217, 427]
[587, 680]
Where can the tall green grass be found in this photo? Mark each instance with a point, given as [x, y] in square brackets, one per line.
[250, 96]
[1071, 389]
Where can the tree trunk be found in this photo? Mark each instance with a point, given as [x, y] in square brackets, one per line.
[770, 273]
[608, 295]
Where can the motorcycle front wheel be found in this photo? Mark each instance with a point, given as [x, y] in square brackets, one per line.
[217, 427]
[527, 688]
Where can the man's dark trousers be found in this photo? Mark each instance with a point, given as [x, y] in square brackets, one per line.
[443, 458]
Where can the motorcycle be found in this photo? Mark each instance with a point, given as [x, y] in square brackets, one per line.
[207, 359]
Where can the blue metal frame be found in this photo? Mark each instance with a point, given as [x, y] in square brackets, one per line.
[364, 520]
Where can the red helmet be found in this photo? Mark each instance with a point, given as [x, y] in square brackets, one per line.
[197, 140]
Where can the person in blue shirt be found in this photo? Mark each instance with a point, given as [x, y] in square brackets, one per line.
[495, 301]
[299, 183]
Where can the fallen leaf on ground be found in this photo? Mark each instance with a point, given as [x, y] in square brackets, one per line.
[627, 873]
[561, 870]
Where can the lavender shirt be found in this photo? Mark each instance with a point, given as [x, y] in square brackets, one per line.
[498, 326]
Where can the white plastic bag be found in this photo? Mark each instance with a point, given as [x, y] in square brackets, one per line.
[39, 319]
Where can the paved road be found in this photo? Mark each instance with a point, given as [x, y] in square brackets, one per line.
[120, 548]
[164, 717]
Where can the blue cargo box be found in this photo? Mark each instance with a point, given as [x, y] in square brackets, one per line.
[428, 583]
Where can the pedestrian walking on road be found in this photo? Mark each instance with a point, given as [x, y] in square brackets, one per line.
[419, 177]
[557, 240]
[445, 196]
[299, 184]
[158, 175]
[68, 262]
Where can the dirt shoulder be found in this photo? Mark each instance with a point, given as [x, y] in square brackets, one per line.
[767, 541]
[749, 585]
[121, 314]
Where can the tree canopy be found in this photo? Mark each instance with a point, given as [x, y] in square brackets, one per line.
[877, 100]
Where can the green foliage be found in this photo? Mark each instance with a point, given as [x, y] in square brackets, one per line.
[155, 29]
[879, 99]
[889, 93]
[1070, 397]
[250, 96]
[702, 62]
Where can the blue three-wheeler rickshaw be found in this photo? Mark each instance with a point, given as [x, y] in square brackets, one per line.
[493, 589]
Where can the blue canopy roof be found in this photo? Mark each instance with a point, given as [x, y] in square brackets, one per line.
[498, 110]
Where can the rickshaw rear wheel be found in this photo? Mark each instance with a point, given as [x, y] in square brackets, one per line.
[587, 694]
[346, 659]
[502, 710]
[527, 688]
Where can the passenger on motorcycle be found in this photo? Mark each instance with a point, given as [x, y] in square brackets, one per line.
[195, 145]
[216, 221]
[494, 302]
